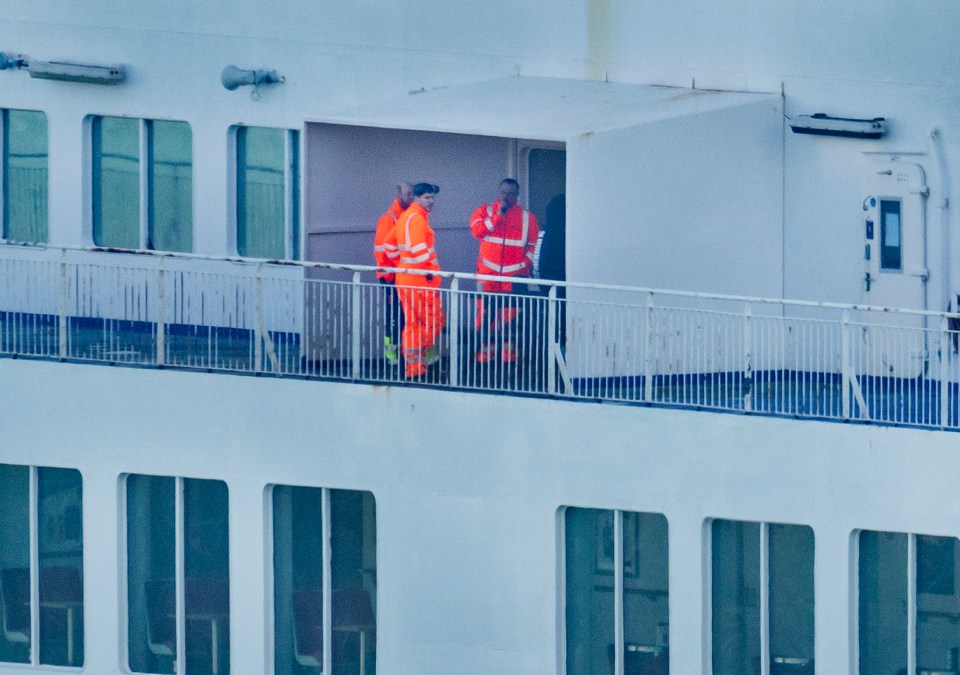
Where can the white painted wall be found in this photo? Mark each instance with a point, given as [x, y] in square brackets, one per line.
[693, 203]
[895, 60]
[466, 531]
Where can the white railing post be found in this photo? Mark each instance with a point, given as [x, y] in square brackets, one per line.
[453, 316]
[258, 322]
[648, 344]
[552, 341]
[845, 374]
[161, 317]
[355, 327]
[63, 299]
[945, 351]
[747, 359]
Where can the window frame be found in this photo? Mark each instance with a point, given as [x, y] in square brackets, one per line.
[145, 168]
[294, 247]
[33, 492]
[179, 563]
[618, 578]
[909, 577]
[763, 583]
[327, 587]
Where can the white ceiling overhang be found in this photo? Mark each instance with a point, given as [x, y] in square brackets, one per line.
[538, 108]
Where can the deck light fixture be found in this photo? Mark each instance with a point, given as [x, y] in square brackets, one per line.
[75, 72]
[822, 124]
[233, 77]
[63, 70]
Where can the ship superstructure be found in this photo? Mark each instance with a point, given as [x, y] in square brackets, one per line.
[729, 444]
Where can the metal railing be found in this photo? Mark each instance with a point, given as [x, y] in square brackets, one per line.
[579, 341]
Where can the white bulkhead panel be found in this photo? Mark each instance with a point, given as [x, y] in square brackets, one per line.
[895, 264]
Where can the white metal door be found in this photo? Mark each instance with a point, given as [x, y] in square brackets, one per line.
[895, 270]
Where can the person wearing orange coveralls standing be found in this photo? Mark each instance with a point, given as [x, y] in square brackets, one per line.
[508, 236]
[386, 255]
[419, 296]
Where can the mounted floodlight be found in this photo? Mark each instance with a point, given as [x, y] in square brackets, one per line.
[233, 77]
[75, 72]
[822, 124]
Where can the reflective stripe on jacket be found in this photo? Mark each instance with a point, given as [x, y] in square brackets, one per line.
[384, 252]
[414, 240]
[506, 242]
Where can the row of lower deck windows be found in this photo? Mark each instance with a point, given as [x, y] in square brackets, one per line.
[323, 574]
[141, 191]
[176, 581]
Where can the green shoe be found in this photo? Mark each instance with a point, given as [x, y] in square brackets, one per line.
[390, 352]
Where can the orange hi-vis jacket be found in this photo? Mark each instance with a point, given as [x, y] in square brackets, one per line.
[385, 253]
[507, 242]
[413, 238]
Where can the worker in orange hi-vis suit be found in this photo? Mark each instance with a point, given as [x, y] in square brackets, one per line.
[418, 293]
[386, 255]
[508, 236]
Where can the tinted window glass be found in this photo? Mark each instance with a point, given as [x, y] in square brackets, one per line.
[24, 176]
[261, 219]
[60, 545]
[171, 183]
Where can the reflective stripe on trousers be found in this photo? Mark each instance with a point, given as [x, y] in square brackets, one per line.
[423, 311]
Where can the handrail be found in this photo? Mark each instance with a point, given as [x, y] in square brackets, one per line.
[350, 267]
[564, 339]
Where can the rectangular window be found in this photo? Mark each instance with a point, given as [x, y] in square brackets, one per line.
[142, 184]
[268, 193]
[762, 587]
[41, 566]
[324, 580]
[617, 618]
[891, 235]
[177, 575]
[23, 175]
[908, 583]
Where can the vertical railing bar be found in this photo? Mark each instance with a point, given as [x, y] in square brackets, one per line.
[553, 342]
[845, 365]
[355, 304]
[946, 373]
[648, 340]
[62, 332]
[161, 315]
[257, 321]
[453, 318]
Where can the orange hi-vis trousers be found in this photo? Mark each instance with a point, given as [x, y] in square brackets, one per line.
[423, 312]
[502, 311]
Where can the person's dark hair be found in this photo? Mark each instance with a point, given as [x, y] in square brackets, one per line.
[421, 189]
[511, 181]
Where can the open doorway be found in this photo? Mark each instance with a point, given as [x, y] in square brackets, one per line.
[352, 171]
[545, 177]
